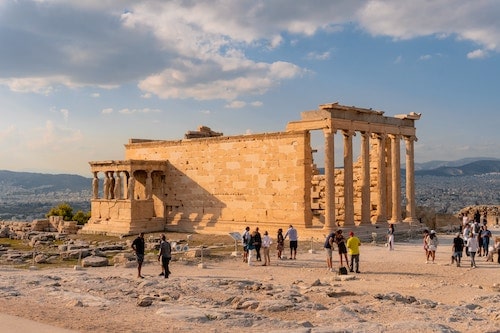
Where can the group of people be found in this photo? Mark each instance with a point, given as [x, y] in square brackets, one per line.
[164, 255]
[253, 243]
[350, 245]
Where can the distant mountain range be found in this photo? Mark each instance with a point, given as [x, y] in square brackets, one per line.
[458, 163]
[470, 169]
[44, 182]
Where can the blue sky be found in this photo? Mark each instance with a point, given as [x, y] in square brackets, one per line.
[79, 78]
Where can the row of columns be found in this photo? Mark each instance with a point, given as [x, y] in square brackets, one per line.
[382, 196]
[113, 189]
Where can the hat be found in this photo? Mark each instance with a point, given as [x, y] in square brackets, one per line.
[433, 231]
[351, 233]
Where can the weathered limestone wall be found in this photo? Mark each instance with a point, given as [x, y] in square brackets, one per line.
[230, 182]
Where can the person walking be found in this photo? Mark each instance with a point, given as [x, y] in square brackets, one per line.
[251, 248]
[245, 238]
[266, 243]
[432, 244]
[353, 244]
[473, 245]
[390, 237]
[330, 239]
[280, 240]
[424, 239]
[457, 249]
[485, 236]
[292, 235]
[165, 256]
[257, 243]
[138, 245]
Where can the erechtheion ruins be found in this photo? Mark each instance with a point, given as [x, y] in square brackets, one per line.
[211, 183]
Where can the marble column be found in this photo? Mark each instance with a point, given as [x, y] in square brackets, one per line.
[95, 186]
[381, 179]
[330, 223]
[118, 186]
[396, 179]
[365, 178]
[348, 179]
[107, 184]
[410, 180]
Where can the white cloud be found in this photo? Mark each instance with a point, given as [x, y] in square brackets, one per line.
[236, 105]
[95, 95]
[477, 54]
[132, 111]
[257, 104]
[318, 56]
[107, 111]
[399, 59]
[425, 57]
[203, 49]
[53, 137]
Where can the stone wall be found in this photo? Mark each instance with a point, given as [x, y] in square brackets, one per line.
[235, 181]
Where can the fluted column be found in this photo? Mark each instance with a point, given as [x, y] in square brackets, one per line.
[410, 180]
[396, 179]
[329, 180]
[348, 179]
[365, 178]
[381, 181]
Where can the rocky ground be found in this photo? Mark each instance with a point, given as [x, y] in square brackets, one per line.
[396, 291]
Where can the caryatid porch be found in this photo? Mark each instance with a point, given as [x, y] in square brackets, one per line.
[385, 134]
[129, 197]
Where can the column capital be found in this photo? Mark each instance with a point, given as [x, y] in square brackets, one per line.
[379, 136]
[394, 136]
[411, 138]
[347, 133]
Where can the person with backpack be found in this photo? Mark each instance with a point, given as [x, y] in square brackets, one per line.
[330, 239]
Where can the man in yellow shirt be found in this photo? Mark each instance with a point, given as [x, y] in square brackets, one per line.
[353, 244]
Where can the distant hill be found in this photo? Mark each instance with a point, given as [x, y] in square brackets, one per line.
[44, 182]
[457, 163]
[471, 169]
[25, 196]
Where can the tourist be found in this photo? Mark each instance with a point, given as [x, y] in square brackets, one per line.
[251, 248]
[485, 237]
[353, 244]
[328, 250]
[432, 244]
[457, 249]
[342, 249]
[266, 243]
[245, 238]
[292, 235]
[465, 233]
[473, 245]
[390, 237]
[280, 240]
[424, 239]
[257, 242]
[165, 255]
[497, 248]
[138, 246]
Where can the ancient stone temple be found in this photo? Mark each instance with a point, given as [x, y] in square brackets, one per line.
[211, 183]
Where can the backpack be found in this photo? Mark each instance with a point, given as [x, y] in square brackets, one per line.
[343, 270]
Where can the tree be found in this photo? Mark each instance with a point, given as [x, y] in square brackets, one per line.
[81, 217]
[64, 210]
